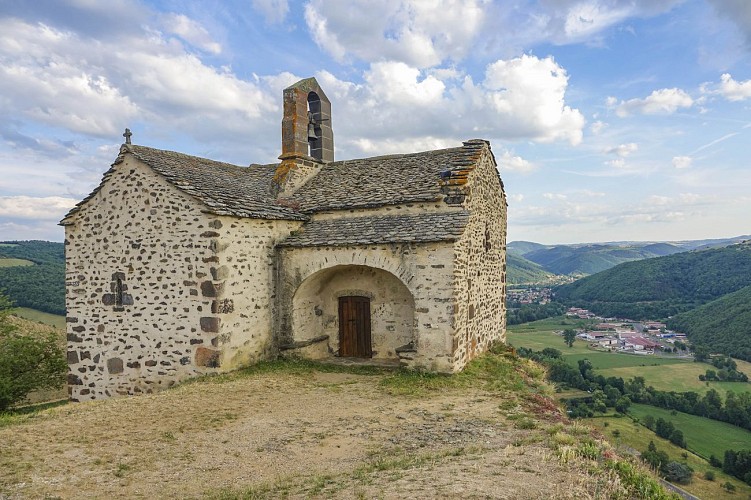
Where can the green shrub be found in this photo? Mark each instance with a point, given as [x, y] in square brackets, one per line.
[27, 362]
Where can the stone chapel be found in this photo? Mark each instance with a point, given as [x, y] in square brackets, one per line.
[178, 266]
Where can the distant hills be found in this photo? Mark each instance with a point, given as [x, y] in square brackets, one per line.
[586, 259]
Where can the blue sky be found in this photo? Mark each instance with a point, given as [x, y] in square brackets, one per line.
[610, 120]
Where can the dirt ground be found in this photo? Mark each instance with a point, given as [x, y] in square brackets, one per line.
[271, 435]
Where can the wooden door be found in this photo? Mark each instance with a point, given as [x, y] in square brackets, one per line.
[354, 327]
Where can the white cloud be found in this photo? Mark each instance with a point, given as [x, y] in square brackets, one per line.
[46, 73]
[399, 84]
[622, 150]
[192, 32]
[597, 127]
[584, 19]
[508, 162]
[27, 207]
[521, 98]
[682, 161]
[275, 11]
[371, 147]
[516, 197]
[554, 196]
[532, 90]
[617, 163]
[733, 90]
[663, 101]
[421, 34]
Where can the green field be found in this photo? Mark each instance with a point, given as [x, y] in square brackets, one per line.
[11, 262]
[40, 317]
[632, 435]
[606, 361]
[703, 436]
[681, 376]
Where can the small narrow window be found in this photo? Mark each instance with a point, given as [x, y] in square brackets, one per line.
[487, 239]
[119, 293]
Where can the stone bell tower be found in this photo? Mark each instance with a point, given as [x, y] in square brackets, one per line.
[307, 135]
[306, 126]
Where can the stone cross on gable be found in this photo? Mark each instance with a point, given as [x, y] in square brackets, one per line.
[127, 135]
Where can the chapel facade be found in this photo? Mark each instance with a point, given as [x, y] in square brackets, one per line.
[178, 266]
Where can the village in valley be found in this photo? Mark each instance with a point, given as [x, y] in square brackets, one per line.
[627, 336]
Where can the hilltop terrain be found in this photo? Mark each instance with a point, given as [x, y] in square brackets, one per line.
[302, 430]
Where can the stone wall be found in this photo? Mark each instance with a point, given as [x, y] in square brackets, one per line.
[243, 281]
[158, 291]
[424, 271]
[481, 265]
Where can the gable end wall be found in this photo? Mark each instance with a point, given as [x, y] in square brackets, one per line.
[480, 266]
[174, 263]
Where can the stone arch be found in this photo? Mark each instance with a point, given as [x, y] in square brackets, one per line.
[315, 133]
[315, 307]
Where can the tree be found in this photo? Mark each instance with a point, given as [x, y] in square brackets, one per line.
[701, 353]
[649, 422]
[676, 437]
[569, 336]
[677, 472]
[27, 362]
[622, 405]
[654, 457]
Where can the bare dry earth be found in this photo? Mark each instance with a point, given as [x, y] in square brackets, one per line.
[320, 435]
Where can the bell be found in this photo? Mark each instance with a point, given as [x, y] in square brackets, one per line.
[312, 132]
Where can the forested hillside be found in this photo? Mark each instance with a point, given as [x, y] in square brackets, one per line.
[723, 325]
[663, 286]
[520, 270]
[41, 286]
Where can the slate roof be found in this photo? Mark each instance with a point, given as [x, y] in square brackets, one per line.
[384, 180]
[418, 228]
[224, 188]
[227, 189]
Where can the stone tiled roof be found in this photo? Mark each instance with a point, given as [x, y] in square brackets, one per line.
[385, 180]
[419, 228]
[227, 189]
[224, 188]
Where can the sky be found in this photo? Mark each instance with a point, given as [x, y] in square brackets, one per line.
[610, 120]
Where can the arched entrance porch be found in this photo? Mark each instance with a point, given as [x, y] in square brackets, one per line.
[363, 311]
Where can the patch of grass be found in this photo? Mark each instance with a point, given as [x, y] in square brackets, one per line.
[21, 415]
[121, 470]
[55, 320]
[638, 482]
[498, 370]
[681, 377]
[12, 262]
[704, 436]
[606, 360]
